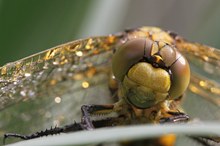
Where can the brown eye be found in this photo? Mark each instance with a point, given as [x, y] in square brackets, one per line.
[129, 54]
[180, 76]
[168, 54]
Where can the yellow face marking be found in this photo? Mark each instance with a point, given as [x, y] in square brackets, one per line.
[146, 75]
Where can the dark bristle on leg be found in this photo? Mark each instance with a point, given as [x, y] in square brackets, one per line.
[65, 129]
[51, 131]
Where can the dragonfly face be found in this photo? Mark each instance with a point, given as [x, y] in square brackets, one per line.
[150, 72]
[147, 64]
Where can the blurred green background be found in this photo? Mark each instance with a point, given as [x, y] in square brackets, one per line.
[30, 26]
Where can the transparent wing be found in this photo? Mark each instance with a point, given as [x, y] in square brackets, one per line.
[204, 88]
[49, 88]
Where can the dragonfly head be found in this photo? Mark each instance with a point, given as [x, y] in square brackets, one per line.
[150, 72]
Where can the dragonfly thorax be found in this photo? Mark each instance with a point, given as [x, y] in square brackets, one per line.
[144, 85]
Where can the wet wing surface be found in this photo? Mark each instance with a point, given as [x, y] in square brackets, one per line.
[49, 88]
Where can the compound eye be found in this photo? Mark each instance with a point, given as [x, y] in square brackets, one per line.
[180, 76]
[129, 54]
[168, 54]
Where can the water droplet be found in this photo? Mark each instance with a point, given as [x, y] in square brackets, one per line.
[57, 99]
[23, 93]
[202, 83]
[79, 53]
[85, 84]
[27, 74]
[56, 62]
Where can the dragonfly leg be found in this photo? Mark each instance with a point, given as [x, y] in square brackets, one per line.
[51, 131]
[175, 117]
[88, 110]
[65, 129]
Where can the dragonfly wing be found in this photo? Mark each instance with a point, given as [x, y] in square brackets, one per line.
[49, 88]
[203, 95]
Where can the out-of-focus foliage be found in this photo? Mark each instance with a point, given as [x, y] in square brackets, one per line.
[30, 26]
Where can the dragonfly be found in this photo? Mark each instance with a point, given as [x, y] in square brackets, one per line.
[136, 76]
